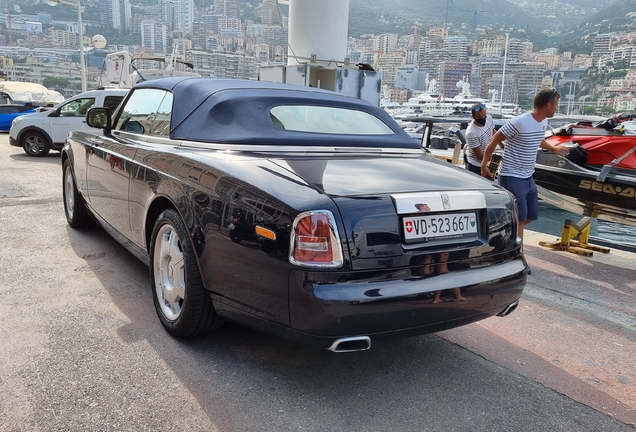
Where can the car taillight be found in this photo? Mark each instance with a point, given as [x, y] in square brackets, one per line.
[315, 241]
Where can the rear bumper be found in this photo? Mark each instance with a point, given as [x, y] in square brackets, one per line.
[390, 304]
[397, 303]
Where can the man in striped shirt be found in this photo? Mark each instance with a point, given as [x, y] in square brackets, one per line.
[524, 135]
[478, 135]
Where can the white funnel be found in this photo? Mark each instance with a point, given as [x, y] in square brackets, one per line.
[320, 28]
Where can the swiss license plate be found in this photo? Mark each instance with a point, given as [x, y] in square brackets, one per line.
[448, 225]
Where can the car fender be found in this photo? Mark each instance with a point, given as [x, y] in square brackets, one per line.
[34, 129]
[159, 203]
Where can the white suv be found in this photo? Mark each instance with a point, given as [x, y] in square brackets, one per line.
[40, 132]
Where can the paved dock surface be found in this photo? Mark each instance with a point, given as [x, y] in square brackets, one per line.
[83, 350]
[574, 331]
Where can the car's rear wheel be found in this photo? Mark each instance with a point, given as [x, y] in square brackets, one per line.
[35, 144]
[182, 303]
[77, 215]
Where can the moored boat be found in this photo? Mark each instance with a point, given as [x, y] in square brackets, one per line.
[598, 177]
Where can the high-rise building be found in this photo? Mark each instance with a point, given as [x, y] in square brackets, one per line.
[407, 77]
[528, 48]
[623, 53]
[441, 32]
[154, 35]
[457, 48]
[275, 36]
[491, 45]
[211, 22]
[485, 68]
[262, 53]
[180, 45]
[551, 60]
[226, 23]
[269, 13]
[426, 45]
[184, 15]
[388, 65]
[431, 61]
[122, 14]
[385, 43]
[516, 49]
[411, 56]
[411, 41]
[449, 73]
[528, 76]
[199, 35]
[228, 8]
[602, 45]
[168, 13]
[223, 64]
[116, 14]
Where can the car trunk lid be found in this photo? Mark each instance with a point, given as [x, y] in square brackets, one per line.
[403, 208]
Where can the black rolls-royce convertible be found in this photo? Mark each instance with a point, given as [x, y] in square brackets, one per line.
[293, 210]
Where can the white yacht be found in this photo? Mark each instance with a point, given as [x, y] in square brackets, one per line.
[430, 103]
[433, 103]
[506, 109]
[124, 70]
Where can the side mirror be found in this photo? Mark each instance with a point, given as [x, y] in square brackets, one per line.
[99, 117]
[55, 113]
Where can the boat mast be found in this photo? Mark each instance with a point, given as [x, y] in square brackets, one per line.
[571, 97]
[503, 76]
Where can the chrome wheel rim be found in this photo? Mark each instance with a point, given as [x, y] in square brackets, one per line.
[69, 197]
[169, 272]
[34, 144]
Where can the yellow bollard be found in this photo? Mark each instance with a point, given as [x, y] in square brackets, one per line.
[572, 230]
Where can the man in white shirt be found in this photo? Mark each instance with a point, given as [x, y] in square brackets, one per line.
[478, 135]
[524, 135]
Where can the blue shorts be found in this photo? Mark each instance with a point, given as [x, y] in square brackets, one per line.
[526, 193]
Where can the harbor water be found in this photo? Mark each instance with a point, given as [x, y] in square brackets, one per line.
[551, 221]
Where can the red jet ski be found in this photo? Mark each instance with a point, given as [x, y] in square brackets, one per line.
[598, 177]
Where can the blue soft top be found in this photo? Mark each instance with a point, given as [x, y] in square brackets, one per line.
[238, 111]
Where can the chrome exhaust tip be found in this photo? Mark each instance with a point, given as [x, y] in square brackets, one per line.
[509, 309]
[351, 344]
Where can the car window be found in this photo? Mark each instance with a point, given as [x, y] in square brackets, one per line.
[161, 124]
[8, 110]
[112, 102]
[139, 112]
[77, 107]
[329, 120]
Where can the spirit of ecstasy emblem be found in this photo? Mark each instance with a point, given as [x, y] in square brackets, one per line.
[446, 202]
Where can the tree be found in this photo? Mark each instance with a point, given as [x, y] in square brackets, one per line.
[588, 110]
[607, 110]
[56, 83]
